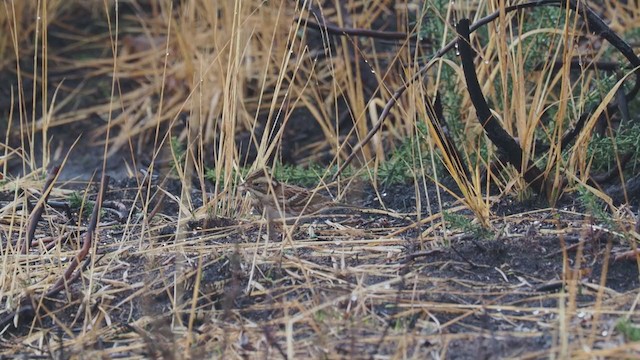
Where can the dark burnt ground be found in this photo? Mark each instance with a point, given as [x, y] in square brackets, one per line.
[348, 285]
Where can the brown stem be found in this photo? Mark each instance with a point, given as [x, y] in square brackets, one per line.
[88, 240]
[505, 143]
[36, 214]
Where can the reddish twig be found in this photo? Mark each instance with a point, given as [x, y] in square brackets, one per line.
[49, 242]
[86, 245]
[36, 214]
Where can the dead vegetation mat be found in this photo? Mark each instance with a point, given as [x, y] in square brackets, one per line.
[349, 285]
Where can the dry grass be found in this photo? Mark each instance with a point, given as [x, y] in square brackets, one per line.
[183, 270]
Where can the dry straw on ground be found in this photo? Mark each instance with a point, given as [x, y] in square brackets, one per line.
[181, 268]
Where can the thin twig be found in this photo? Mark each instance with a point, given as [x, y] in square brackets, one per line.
[36, 214]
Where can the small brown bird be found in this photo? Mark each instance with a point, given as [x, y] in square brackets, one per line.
[280, 200]
[283, 201]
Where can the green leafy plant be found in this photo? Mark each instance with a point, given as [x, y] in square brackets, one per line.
[307, 177]
[463, 223]
[405, 158]
[77, 201]
[603, 147]
[595, 207]
[179, 151]
[630, 330]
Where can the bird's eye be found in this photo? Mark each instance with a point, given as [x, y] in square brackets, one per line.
[261, 186]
